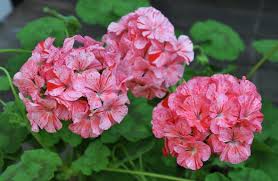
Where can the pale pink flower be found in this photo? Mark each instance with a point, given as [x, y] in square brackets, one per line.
[87, 127]
[192, 154]
[166, 123]
[154, 25]
[99, 88]
[81, 60]
[224, 112]
[183, 47]
[250, 112]
[113, 111]
[42, 114]
[237, 144]
[62, 85]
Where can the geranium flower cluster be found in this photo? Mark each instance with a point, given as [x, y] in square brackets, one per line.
[75, 82]
[206, 115]
[152, 57]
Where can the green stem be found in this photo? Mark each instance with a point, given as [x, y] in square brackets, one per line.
[198, 47]
[14, 51]
[149, 174]
[53, 13]
[9, 158]
[141, 163]
[17, 101]
[128, 157]
[57, 15]
[2, 102]
[262, 61]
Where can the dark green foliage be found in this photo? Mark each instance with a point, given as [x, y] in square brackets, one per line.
[35, 165]
[264, 46]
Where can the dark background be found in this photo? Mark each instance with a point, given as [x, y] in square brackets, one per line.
[253, 19]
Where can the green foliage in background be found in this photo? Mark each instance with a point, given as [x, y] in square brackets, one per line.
[129, 145]
[103, 12]
[217, 40]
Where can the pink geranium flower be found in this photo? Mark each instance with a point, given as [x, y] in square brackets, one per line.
[192, 155]
[72, 83]
[43, 115]
[152, 58]
[154, 25]
[237, 144]
[205, 115]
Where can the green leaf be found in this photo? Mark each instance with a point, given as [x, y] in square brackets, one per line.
[135, 150]
[249, 174]
[4, 83]
[265, 161]
[35, 165]
[95, 158]
[51, 139]
[189, 73]
[14, 63]
[95, 11]
[155, 160]
[72, 24]
[108, 176]
[270, 123]
[1, 160]
[69, 137]
[11, 113]
[137, 124]
[202, 59]
[39, 30]
[110, 136]
[264, 46]
[217, 39]
[12, 133]
[48, 139]
[216, 177]
[122, 7]
[215, 161]
[103, 12]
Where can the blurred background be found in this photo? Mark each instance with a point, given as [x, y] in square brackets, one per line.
[252, 19]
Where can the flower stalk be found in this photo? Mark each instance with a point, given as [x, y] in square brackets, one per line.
[262, 61]
[143, 173]
[15, 51]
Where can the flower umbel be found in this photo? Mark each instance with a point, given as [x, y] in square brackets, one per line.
[217, 114]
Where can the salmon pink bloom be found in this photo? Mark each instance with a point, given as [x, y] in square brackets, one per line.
[76, 82]
[152, 58]
[192, 155]
[43, 114]
[113, 111]
[217, 115]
